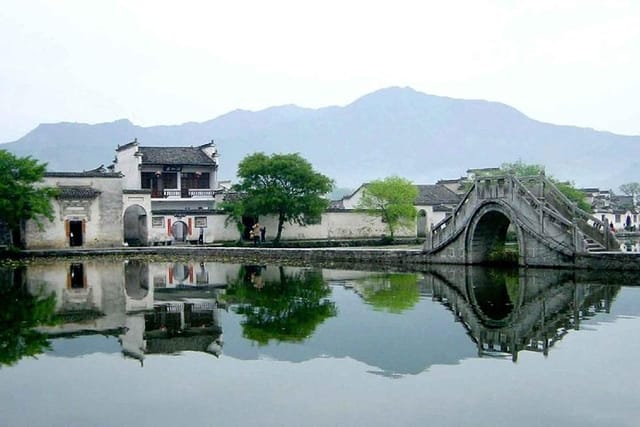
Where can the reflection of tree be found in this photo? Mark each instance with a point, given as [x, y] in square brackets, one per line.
[285, 310]
[20, 312]
[393, 292]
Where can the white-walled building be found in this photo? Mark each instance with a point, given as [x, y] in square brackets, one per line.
[433, 204]
[169, 193]
[172, 195]
[623, 212]
[87, 211]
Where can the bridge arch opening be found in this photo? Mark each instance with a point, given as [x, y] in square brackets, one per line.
[492, 238]
[495, 294]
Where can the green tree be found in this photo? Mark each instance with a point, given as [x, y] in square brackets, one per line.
[630, 188]
[284, 185]
[287, 310]
[21, 198]
[391, 199]
[235, 211]
[20, 314]
[392, 292]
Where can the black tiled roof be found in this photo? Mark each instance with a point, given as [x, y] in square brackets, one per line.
[175, 156]
[70, 192]
[89, 174]
[436, 195]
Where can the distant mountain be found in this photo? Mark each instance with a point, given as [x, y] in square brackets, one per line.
[391, 131]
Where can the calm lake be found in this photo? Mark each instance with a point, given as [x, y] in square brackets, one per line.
[118, 342]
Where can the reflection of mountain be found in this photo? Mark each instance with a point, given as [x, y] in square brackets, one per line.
[502, 314]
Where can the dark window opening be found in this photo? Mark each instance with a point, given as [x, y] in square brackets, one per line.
[170, 180]
[149, 180]
[75, 233]
[76, 274]
[195, 180]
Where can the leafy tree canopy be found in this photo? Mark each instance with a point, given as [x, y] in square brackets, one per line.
[289, 309]
[392, 199]
[20, 198]
[392, 292]
[284, 185]
[20, 314]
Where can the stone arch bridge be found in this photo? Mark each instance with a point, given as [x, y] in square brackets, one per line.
[550, 229]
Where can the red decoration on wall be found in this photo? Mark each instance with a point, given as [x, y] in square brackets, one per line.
[189, 221]
[169, 226]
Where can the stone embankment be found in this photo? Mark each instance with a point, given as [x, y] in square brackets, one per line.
[389, 257]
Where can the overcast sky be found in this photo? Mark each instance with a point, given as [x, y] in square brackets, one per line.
[154, 62]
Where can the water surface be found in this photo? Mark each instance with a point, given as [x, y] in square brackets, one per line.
[123, 342]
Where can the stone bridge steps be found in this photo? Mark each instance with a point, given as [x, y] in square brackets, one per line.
[593, 246]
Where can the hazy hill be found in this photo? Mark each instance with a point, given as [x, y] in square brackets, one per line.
[391, 131]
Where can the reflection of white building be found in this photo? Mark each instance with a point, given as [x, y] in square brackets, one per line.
[89, 295]
[119, 298]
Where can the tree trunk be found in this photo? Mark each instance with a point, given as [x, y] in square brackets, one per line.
[280, 227]
[17, 235]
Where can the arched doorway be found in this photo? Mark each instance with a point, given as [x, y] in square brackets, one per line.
[179, 231]
[492, 238]
[181, 273]
[422, 223]
[136, 279]
[135, 226]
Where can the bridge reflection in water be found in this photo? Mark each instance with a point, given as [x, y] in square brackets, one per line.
[170, 307]
[506, 311]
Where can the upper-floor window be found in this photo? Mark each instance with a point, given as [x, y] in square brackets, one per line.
[170, 179]
[148, 180]
[195, 179]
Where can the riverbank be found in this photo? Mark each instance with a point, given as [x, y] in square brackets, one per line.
[398, 257]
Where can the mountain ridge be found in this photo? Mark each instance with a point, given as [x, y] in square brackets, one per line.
[389, 131]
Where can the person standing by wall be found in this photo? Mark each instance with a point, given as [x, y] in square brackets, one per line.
[255, 233]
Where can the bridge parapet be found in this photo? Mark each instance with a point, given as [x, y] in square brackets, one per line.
[547, 222]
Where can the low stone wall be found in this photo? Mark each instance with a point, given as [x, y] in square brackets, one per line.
[609, 261]
[414, 259]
